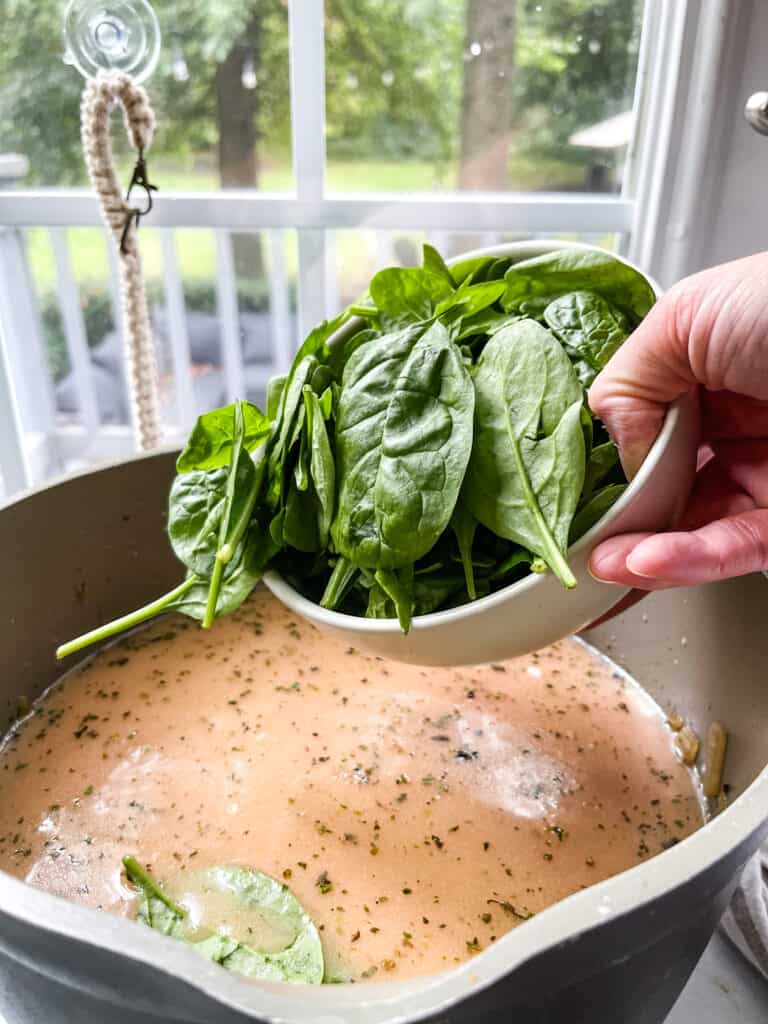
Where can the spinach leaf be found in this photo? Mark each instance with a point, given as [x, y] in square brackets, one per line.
[407, 295]
[434, 263]
[156, 909]
[322, 465]
[430, 593]
[584, 371]
[259, 548]
[275, 389]
[300, 519]
[287, 398]
[242, 490]
[326, 402]
[486, 322]
[338, 583]
[403, 438]
[527, 467]
[194, 516]
[588, 325]
[301, 960]
[464, 525]
[315, 343]
[210, 443]
[472, 300]
[474, 269]
[380, 605]
[603, 461]
[567, 270]
[309, 502]
[513, 561]
[285, 425]
[398, 586]
[206, 505]
[594, 510]
[301, 467]
[341, 350]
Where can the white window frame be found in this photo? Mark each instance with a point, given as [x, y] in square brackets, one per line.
[29, 437]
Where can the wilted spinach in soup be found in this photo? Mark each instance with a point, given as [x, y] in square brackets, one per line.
[416, 815]
[439, 447]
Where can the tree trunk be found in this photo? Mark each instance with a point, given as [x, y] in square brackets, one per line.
[236, 109]
[488, 103]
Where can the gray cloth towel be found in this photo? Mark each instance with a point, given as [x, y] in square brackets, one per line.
[746, 920]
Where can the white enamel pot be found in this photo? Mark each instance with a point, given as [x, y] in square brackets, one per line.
[92, 547]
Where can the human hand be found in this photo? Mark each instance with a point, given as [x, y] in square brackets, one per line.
[708, 334]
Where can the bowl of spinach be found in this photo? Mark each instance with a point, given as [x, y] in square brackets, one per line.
[428, 479]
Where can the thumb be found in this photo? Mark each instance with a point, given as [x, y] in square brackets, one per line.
[650, 370]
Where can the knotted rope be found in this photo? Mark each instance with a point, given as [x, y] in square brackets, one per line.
[99, 96]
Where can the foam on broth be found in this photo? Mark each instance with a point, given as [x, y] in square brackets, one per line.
[418, 814]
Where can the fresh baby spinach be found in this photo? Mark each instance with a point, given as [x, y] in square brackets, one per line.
[464, 526]
[210, 443]
[322, 467]
[408, 295]
[603, 463]
[587, 325]
[429, 445]
[248, 892]
[594, 510]
[544, 278]
[527, 467]
[403, 439]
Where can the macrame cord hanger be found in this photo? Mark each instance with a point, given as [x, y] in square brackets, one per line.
[114, 50]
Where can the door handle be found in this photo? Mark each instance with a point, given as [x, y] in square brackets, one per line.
[756, 112]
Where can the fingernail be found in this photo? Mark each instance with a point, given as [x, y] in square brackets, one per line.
[594, 573]
[637, 572]
[596, 568]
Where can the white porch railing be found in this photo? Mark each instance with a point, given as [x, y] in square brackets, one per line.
[50, 438]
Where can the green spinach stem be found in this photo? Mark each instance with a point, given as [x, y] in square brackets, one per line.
[127, 621]
[213, 592]
[554, 556]
[234, 536]
[137, 874]
[343, 574]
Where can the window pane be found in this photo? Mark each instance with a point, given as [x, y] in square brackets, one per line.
[220, 93]
[479, 94]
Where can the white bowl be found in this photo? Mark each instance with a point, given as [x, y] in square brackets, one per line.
[537, 610]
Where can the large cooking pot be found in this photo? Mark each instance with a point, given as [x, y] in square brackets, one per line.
[92, 547]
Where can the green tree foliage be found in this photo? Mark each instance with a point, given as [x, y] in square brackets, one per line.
[396, 74]
[576, 64]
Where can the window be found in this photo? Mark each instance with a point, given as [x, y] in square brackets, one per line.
[299, 147]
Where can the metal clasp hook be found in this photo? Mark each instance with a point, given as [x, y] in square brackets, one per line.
[138, 179]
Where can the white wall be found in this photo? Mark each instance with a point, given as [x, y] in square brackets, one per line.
[739, 222]
[714, 204]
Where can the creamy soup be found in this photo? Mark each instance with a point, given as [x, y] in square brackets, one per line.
[418, 814]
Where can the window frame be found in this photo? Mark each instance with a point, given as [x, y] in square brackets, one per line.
[30, 440]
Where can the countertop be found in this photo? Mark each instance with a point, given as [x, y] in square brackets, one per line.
[724, 989]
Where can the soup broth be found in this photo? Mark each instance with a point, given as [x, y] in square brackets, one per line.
[418, 814]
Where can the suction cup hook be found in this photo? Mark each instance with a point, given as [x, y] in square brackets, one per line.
[112, 35]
